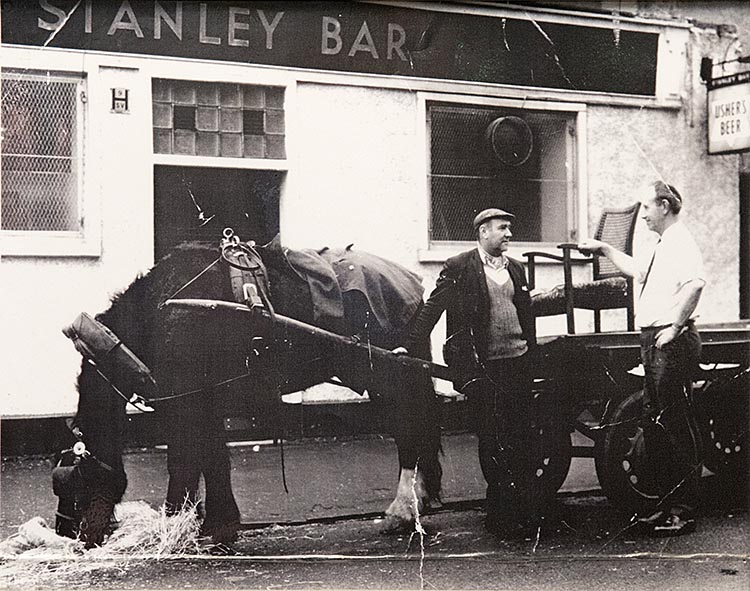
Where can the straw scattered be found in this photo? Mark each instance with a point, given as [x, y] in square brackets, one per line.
[37, 557]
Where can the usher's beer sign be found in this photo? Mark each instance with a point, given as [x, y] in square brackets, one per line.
[729, 113]
[367, 37]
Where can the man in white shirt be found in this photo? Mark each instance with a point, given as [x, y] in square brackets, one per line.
[670, 288]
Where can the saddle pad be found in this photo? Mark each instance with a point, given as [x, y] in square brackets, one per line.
[393, 292]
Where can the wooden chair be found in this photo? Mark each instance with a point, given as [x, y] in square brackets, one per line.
[608, 289]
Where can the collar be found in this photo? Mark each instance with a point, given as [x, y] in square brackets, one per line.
[673, 229]
[500, 262]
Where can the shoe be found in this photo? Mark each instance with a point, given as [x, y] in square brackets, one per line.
[653, 519]
[674, 525]
[646, 524]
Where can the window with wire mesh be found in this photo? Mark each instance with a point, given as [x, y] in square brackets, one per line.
[41, 152]
[218, 119]
[519, 160]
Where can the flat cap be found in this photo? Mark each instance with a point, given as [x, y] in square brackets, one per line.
[488, 214]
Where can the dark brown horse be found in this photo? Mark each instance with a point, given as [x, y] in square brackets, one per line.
[200, 351]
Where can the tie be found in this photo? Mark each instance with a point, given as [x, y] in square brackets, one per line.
[648, 271]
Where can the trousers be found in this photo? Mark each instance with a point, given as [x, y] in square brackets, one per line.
[503, 418]
[671, 436]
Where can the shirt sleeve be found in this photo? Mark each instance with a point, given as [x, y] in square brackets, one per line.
[688, 263]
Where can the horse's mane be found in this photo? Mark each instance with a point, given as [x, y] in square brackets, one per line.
[133, 311]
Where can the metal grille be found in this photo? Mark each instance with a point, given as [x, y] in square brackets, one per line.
[41, 153]
[466, 175]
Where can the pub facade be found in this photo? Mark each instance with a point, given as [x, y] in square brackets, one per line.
[130, 126]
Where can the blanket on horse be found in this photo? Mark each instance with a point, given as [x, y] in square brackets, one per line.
[393, 292]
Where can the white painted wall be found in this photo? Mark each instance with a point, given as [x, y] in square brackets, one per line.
[356, 175]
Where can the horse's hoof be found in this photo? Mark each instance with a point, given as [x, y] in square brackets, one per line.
[97, 521]
[393, 524]
[224, 534]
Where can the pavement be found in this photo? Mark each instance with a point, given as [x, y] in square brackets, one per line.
[325, 478]
[324, 533]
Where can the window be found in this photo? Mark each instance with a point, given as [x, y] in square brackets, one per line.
[218, 119]
[42, 153]
[197, 126]
[501, 155]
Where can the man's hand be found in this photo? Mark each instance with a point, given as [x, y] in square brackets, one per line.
[400, 351]
[666, 336]
[590, 245]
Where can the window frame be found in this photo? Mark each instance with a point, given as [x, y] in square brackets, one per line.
[86, 241]
[439, 251]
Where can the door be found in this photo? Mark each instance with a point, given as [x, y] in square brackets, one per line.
[197, 203]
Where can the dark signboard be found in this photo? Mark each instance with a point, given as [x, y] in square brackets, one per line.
[348, 37]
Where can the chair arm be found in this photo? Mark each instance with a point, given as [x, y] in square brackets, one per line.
[566, 247]
[533, 254]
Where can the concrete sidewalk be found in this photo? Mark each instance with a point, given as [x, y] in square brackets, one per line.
[325, 478]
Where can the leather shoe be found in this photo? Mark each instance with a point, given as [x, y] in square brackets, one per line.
[653, 519]
[646, 524]
[674, 525]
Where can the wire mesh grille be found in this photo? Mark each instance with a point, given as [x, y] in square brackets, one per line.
[41, 159]
[466, 175]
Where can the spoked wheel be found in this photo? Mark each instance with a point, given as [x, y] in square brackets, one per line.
[556, 455]
[723, 412]
[621, 462]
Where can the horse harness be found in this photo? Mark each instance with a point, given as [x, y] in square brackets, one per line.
[109, 356]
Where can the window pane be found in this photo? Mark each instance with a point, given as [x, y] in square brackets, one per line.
[525, 168]
[40, 160]
[234, 120]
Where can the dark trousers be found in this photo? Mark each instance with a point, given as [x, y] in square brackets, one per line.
[502, 413]
[670, 432]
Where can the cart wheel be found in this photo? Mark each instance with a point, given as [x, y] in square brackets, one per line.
[620, 459]
[723, 412]
[556, 455]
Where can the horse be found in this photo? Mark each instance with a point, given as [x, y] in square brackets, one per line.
[206, 361]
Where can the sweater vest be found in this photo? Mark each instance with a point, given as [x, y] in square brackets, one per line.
[505, 337]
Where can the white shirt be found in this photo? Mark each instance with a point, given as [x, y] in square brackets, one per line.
[676, 261]
[496, 268]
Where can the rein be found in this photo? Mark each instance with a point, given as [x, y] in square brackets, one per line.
[240, 256]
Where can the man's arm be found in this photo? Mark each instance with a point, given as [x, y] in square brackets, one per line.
[690, 295]
[433, 308]
[622, 261]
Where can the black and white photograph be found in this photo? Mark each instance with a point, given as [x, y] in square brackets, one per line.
[375, 294]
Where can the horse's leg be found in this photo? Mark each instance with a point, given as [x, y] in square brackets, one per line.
[184, 426]
[222, 519]
[416, 429]
[101, 421]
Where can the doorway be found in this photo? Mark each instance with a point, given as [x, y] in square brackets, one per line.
[197, 203]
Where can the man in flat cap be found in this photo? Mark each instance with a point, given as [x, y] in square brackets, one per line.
[491, 330]
[670, 288]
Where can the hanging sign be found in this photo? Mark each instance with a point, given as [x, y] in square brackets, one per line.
[729, 113]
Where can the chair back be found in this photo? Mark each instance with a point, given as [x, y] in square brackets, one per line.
[616, 227]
